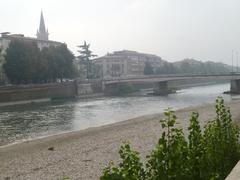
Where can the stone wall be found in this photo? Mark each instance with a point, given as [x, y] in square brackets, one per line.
[31, 92]
[84, 89]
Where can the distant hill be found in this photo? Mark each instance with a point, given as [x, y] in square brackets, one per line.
[192, 66]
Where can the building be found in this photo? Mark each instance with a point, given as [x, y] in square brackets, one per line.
[42, 32]
[41, 40]
[126, 63]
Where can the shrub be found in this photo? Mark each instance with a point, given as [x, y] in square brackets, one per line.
[196, 149]
[208, 154]
[221, 142]
[130, 168]
[167, 160]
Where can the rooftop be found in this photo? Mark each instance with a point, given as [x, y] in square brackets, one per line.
[22, 37]
[124, 53]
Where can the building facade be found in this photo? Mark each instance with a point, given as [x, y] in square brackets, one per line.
[126, 63]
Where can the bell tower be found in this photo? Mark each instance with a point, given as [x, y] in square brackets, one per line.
[42, 33]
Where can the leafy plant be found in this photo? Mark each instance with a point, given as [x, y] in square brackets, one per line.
[167, 160]
[221, 142]
[196, 150]
[131, 168]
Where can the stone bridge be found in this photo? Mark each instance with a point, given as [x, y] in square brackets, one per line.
[111, 86]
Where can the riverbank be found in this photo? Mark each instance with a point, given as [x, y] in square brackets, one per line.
[83, 154]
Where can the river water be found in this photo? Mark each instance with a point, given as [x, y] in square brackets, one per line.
[19, 123]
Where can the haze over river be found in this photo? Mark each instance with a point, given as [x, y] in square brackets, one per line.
[19, 123]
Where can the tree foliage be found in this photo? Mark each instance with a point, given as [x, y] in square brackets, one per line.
[148, 69]
[208, 154]
[221, 137]
[85, 52]
[85, 58]
[2, 79]
[191, 66]
[168, 159]
[25, 63]
[131, 168]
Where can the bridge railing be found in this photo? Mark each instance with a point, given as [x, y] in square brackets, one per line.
[168, 76]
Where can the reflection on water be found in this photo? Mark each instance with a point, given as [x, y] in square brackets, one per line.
[31, 121]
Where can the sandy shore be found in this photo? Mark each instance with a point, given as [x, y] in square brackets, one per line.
[83, 154]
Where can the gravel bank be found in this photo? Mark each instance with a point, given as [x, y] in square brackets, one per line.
[83, 154]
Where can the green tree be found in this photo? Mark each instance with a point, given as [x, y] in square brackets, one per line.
[221, 142]
[186, 67]
[85, 58]
[1, 66]
[148, 69]
[21, 60]
[169, 158]
[64, 60]
[25, 63]
[56, 63]
[45, 67]
[196, 149]
[131, 168]
[167, 68]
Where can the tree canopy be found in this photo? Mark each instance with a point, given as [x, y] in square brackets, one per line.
[1, 66]
[85, 58]
[191, 66]
[85, 52]
[25, 63]
[148, 69]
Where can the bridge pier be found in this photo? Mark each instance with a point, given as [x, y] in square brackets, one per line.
[235, 86]
[118, 88]
[161, 88]
[111, 89]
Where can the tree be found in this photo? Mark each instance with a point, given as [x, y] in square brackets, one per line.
[186, 67]
[148, 69]
[1, 66]
[167, 68]
[56, 63]
[65, 58]
[21, 60]
[85, 58]
[25, 63]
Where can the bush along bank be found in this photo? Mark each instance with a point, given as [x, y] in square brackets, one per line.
[205, 154]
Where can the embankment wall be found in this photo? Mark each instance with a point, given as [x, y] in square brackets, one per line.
[41, 91]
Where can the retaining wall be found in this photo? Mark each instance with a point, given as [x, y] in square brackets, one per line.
[41, 91]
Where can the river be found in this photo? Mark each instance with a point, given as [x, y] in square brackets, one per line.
[20, 123]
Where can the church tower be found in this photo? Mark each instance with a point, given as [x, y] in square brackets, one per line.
[42, 33]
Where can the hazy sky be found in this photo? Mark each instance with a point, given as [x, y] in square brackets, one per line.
[172, 29]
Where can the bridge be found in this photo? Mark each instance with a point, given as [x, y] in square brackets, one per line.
[111, 86]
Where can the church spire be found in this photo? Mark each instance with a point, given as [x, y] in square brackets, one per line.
[42, 33]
